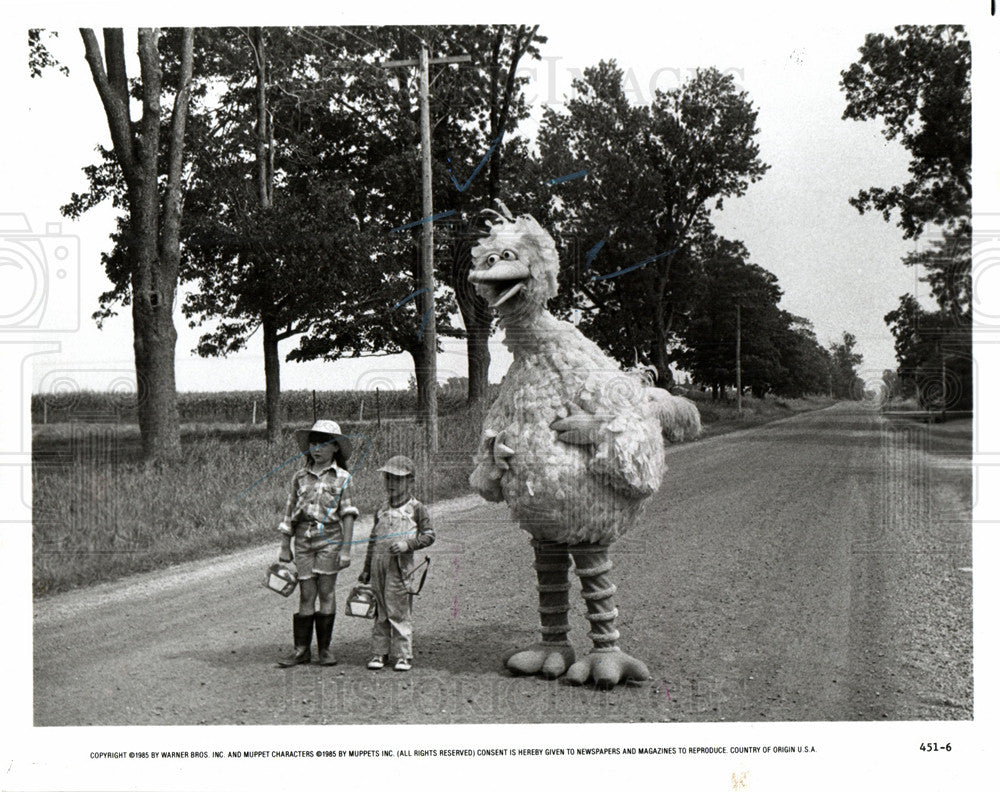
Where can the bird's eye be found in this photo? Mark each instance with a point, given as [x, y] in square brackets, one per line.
[509, 255]
[492, 259]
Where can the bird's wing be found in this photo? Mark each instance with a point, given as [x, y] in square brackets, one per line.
[678, 417]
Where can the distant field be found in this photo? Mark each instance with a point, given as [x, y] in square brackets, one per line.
[100, 513]
[236, 407]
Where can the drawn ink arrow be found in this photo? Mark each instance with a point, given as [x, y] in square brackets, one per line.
[423, 220]
[634, 267]
[427, 313]
[479, 167]
[592, 254]
[567, 177]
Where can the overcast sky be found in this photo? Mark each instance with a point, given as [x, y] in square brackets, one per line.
[838, 269]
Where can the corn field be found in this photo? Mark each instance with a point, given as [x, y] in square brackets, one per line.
[239, 407]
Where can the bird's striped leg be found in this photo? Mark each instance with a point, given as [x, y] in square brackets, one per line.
[606, 665]
[554, 654]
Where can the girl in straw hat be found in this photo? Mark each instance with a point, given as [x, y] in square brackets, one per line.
[319, 517]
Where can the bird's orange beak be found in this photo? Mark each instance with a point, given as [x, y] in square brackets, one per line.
[505, 277]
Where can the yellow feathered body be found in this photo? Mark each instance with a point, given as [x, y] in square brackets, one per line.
[559, 491]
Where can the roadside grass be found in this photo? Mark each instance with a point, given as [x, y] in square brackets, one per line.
[721, 417]
[100, 513]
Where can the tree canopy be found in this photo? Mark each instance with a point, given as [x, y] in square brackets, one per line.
[845, 382]
[917, 83]
[302, 199]
[652, 173]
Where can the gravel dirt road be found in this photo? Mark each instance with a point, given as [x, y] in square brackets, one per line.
[818, 568]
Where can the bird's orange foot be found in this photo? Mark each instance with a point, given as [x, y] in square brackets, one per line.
[548, 659]
[607, 668]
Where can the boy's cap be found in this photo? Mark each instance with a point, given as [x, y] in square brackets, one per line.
[330, 428]
[399, 466]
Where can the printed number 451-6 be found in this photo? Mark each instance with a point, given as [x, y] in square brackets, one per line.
[933, 746]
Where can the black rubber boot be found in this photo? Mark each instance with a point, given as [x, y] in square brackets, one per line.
[324, 633]
[302, 629]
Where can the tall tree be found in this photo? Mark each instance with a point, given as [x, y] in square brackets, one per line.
[274, 242]
[492, 91]
[917, 82]
[844, 367]
[652, 174]
[806, 363]
[152, 171]
[377, 160]
[474, 109]
[935, 360]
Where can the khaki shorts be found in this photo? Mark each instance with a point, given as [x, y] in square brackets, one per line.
[317, 555]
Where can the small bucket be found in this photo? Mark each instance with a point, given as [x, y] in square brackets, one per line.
[280, 578]
[361, 602]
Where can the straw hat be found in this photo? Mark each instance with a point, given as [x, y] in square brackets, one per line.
[331, 428]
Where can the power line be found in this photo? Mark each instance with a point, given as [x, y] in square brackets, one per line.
[350, 33]
[418, 38]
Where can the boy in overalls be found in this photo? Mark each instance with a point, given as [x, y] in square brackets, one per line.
[402, 525]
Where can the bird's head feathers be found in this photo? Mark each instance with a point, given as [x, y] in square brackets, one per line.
[515, 265]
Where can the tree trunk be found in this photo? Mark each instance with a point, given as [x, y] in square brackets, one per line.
[154, 339]
[664, 379]
[153, 241]
[479, 361]
[478, 320]
[154, 281]
[475, 313]
[272, 379]
[265, 187]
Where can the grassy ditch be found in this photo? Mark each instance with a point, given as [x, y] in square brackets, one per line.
[99, 513]
[721, 417]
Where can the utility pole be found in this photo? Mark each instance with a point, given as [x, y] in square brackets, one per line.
[944, 380]
[739, 369]
[429, 337]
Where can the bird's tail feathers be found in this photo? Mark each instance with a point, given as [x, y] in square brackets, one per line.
[678, 417]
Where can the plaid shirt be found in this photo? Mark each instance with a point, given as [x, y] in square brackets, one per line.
[318, 499]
